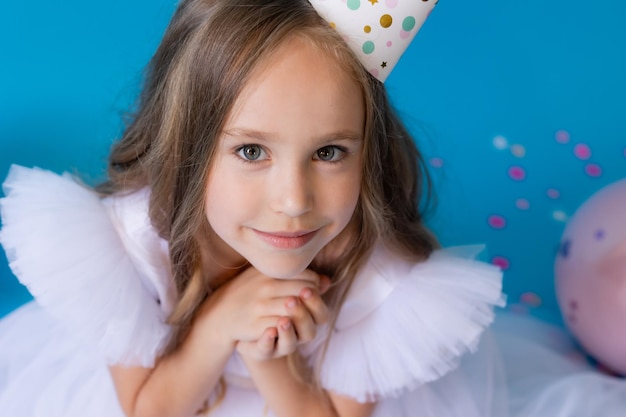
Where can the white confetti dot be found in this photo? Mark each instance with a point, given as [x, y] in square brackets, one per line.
[500, 142]
[559, 216]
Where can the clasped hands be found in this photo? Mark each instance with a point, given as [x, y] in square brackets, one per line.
[266, 318]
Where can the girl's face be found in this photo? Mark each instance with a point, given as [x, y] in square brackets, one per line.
[286, 175]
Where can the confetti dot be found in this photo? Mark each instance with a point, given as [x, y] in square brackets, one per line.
[559, 215]
[582, 151]
[354, 4]
[562, 136]
[408, 23]
[500, 142]
[599, 234]
[386, 20]
[391, 3]
[553, 193]
[531, 299]
[518, 150]
[375, 72]
[404, 34]
[573, 305]
[436, 162]
[332, 25]
[518, 309]
[593, 170]
[368, 47]
[496, 221]
[522, 204]
[389, 43]
[367, 29]
[517, 173]
[501, 262]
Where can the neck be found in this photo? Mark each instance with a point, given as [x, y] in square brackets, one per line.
[230, 263]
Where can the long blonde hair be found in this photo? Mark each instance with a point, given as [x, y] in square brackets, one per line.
[208, 53]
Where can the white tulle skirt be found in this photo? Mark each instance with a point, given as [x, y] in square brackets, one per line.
[403, 323]
[523, 368]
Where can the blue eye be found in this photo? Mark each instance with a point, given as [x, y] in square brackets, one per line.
[250, 152]
[329, 154]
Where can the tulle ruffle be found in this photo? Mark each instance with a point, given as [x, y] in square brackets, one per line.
[61, 244]
[45, 372]
[435, 313]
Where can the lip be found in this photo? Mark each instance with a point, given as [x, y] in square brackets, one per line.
[287, 240]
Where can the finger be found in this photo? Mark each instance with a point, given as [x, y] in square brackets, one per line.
[324, 284]
[309, 276]
[315, 306]
[267, 343]
[261, 349]
[271, 309]
[286, 287]
[302, 320]
[255, 330]
[287, 341]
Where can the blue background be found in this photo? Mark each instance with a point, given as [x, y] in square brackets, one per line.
[486, 86]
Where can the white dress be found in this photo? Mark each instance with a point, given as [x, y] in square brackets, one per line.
[409, 336]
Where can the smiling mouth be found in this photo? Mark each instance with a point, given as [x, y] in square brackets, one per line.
[287, 240]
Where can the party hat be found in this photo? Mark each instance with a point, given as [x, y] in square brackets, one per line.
[378, 31]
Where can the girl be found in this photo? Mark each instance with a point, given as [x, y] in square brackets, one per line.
[257, 250]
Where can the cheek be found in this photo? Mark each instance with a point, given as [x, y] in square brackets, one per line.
[344, 198]
[219, 191]
[223, 184]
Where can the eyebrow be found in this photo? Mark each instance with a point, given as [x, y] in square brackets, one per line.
[267, 137]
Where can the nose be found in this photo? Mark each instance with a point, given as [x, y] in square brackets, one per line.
[292, 190]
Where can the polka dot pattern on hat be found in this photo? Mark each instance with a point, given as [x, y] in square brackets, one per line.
[378, 31]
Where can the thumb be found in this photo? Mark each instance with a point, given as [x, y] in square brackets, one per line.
[325, 283]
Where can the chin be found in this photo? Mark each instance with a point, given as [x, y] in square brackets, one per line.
[281, 268]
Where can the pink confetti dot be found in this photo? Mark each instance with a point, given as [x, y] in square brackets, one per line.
[518, 151]
[374, 72]
[391, 3]
[562, 136]
[518, 309]
[522, 204]
[582, 151]
[436, 162]
[593, 170]
[389, 43]
[404, 34]
[496, 221]
[501, 262]
[553, 193]
[517, 173]
[531, 299]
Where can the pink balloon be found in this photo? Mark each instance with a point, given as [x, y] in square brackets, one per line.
[590, 273]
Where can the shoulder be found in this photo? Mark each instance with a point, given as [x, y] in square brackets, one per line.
[89, 273]
[406, 323]
[129, 214]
